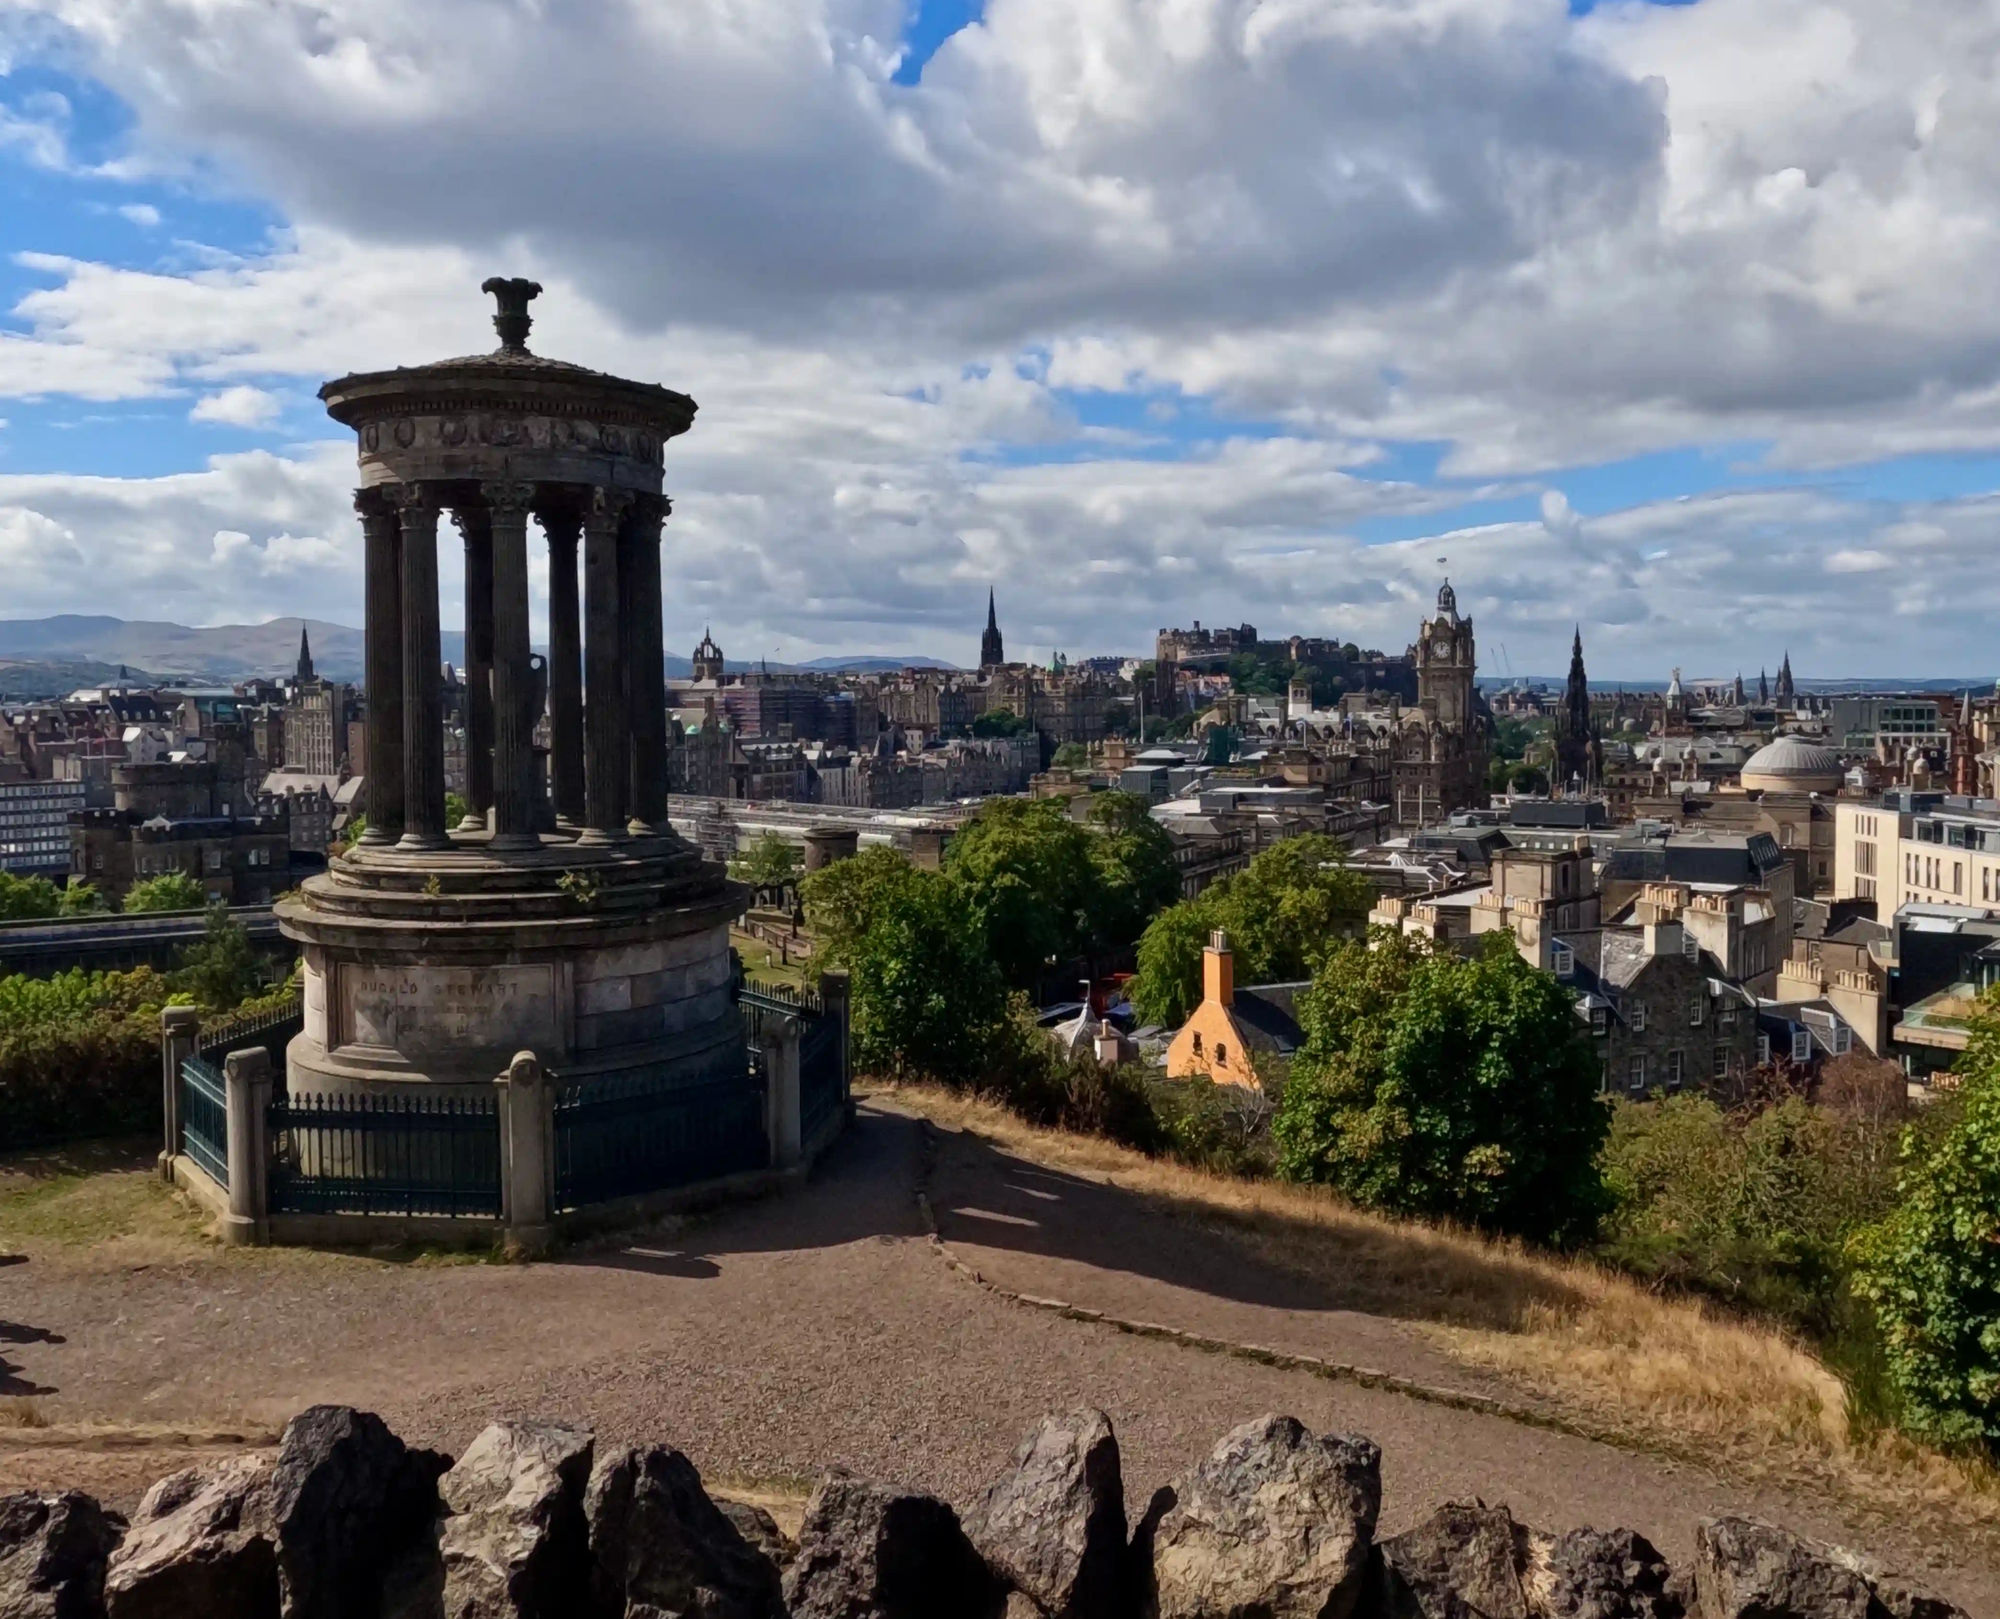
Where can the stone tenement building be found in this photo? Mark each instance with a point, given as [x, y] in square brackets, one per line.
[189, 816]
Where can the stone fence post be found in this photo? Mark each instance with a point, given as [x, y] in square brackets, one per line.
[836, 995]
[246, 1081]
[527, 1154]
[180, 1027]
[778, 1038]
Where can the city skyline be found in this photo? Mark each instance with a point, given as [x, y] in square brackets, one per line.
[1673, 328]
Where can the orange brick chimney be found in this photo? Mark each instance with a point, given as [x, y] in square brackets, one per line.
[1218, 970]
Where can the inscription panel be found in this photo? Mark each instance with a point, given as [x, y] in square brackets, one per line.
[420, 1011]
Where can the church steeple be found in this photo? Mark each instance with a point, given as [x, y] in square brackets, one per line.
[305, 669]
[1575, 761]
[992, 652]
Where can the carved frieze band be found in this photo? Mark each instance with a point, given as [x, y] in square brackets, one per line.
[501, 431]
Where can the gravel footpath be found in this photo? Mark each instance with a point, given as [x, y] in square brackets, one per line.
[772, 1340]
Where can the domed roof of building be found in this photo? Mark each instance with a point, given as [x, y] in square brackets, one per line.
[1792, 761]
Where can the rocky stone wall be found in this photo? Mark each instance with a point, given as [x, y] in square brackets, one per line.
[534, 1521]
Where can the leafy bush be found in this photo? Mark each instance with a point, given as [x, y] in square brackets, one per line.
[29, 899]
[1429, 1084]
[926, 996]
[1931, 1267]
[770, 862]
[176, 891]
[221, 969]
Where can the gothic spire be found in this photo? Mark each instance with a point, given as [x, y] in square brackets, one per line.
[305, 669]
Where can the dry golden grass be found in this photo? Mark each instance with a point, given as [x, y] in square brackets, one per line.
[1586, 1343]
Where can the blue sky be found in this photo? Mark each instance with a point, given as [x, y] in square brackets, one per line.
[1705, 394]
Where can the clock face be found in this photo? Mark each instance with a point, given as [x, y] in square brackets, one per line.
[1441, 649]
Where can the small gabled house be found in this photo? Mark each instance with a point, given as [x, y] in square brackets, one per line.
[1231, 1028]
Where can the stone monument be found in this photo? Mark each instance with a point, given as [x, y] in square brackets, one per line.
[563, 916]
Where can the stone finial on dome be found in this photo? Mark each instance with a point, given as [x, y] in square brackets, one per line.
[512, 319]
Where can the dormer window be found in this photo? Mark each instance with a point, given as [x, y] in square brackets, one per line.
[1562, 961]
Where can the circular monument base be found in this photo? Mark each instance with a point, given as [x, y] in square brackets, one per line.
[433, 967]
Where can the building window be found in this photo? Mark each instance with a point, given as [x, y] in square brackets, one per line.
[1690, 945]
[1600, 1020]
[1697, 1010]
[1673, 1070]
[1725, 1017]
[1721, 1068]
[1864, 859]
[1843, 1039]
[1562, 961]
[1639, 1017]
[1221, 1054]
[1801, 1045]
[1197, 1042]
[1763, 1050]
[1635, 1071]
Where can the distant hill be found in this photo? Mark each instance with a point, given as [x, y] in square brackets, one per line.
[37, 653]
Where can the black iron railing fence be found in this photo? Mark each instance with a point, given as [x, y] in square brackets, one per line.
[271, 1028]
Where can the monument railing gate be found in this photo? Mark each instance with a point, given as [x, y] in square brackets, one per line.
[204, 1117]
[823, 1073]
[406, 1155]
[655, 1129]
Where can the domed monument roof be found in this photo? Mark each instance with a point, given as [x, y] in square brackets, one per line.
[1792, 764]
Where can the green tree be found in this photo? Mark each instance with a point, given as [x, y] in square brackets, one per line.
[26, 899]
[927, 999]
[1167, 986]
[1430, 1084]
[1071, 756]
[176, 891]
[456, 807]
[843, 901]
[1932, 1267]
[1136, 874]
[770, 862]
[1026, 869]
[80, 899]
[221, 968]
[1295, 901]
[1000, 722]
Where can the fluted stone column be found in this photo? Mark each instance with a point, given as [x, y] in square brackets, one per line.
[423, 674]
[562, 522]
[607, 739]
[383, 642]
[508, 505]
[645, 664]
[475, 528]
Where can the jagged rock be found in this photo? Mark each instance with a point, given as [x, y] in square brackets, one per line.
[1273, 1522]
[1462, 1562]
[1748, 1569]
[761, 1530]
[198, 1548]
[514, 1541]
[871, 1552]
[1054, 1526]
[53, 1549]
[1595, 1574]
[1744, 1569]
[660, 1546]
[345, 1499]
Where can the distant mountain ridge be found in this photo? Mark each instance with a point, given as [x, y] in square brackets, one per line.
[224, 653]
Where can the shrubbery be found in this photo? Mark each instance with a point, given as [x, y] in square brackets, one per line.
[29, 899]
[175, 891]
[80, 1051]
[1931, 1266]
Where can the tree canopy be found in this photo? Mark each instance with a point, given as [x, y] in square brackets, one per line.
[29, 899]
[926, 997]
[1296, 900]
[175, 891]
[1432, 1084]
[769, 862]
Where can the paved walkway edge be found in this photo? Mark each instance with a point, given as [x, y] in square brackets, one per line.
[1284, 1360]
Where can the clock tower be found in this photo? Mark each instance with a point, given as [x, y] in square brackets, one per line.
[1445, 664]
